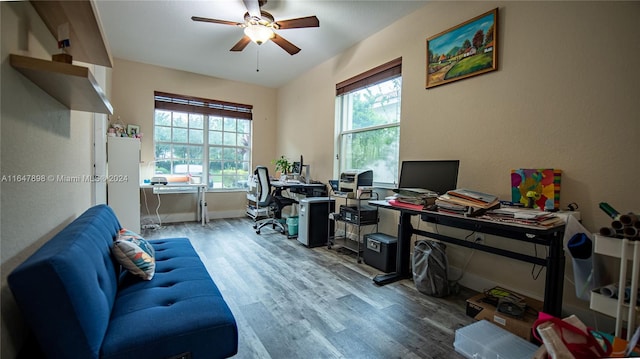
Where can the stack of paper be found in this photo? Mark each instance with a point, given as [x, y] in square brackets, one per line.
[414, 196]
[524, 216]
[466, 202]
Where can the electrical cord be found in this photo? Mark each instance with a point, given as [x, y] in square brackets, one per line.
[146, 205]
[464, 267]
[157, 210]
[534, 275]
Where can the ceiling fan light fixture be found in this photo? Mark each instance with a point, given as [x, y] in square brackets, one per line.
[259, 33]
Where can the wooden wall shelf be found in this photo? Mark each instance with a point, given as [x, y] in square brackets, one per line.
[85, 30]
[74, 86]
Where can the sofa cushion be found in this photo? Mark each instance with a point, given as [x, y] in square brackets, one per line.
[67, 288]
[180, 311]
[135, 254]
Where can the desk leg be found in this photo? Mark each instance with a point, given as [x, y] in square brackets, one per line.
[403, 262]
[554, 285]
[203, 202]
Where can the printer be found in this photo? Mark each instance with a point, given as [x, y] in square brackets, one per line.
[351, 180]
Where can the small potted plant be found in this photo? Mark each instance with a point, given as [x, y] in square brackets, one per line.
[283, 165]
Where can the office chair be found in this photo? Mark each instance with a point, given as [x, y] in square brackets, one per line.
[269, 199]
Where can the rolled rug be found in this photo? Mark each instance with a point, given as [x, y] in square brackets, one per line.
[630, 232]
[627, 295]
[610, 291]
[628, 219]
[610, 232]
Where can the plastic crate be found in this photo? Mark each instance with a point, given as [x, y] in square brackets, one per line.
[485, 340]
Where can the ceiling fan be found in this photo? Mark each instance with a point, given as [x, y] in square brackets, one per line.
[259, 26]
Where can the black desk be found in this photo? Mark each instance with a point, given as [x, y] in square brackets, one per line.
[306, 189]
[551, 237]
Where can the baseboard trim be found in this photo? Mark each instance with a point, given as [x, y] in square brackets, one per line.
[188, 216]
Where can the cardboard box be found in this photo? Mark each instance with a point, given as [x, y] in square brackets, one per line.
[478, 307]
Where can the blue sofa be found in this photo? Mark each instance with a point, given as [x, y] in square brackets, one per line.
[80, 304]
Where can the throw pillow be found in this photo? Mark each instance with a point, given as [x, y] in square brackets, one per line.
[135, 254]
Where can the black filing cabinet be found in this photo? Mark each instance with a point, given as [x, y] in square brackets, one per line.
[380, 251]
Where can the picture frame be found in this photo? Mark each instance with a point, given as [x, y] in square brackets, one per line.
[466, 50]
[133, 130]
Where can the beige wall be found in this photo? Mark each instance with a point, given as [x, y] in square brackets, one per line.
[564, 96]
[39, 136]
[133, 87]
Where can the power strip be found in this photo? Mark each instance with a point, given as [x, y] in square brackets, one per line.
[151, 226]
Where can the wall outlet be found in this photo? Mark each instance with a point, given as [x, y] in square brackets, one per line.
[479, 237]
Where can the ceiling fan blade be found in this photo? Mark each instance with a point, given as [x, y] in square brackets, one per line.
[240, 45]
[309, 21]
[216, 21]
[253, 7]
[285, 45]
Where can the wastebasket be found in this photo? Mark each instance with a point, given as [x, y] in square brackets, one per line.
[292, 225]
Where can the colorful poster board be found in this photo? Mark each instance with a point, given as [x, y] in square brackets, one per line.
[541, 185]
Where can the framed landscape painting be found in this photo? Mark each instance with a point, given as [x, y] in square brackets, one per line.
[466, 50]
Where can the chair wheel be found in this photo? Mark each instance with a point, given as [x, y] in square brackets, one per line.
[255, 226]
[258, 231]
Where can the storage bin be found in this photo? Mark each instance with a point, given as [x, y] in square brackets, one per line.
[485, 340]
[380, 251]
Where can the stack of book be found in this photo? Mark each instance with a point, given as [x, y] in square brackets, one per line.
[466, 202]
[416, 198]
[524, 216]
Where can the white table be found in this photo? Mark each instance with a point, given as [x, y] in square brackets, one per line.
[201, 189]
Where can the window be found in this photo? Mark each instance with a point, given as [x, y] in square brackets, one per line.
[197, 137]
[368, 122]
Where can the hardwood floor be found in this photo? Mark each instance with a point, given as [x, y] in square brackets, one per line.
[294, 302]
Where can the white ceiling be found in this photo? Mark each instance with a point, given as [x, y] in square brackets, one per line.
[161, 32]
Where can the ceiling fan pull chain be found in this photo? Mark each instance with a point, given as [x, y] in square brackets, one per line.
[258, 59]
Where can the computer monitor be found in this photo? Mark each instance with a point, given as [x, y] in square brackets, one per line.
[301, 166]
[298, 167]
[439, 176]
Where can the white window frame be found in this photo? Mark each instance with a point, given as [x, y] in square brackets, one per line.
[382, 73]
[224, 112]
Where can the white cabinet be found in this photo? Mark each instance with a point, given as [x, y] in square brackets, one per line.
[123, 180]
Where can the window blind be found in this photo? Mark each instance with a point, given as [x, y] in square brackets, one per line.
[376, 75]
[189, 104]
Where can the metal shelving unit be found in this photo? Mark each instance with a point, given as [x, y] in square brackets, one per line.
[352, 240]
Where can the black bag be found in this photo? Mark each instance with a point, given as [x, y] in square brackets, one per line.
[430, 265]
